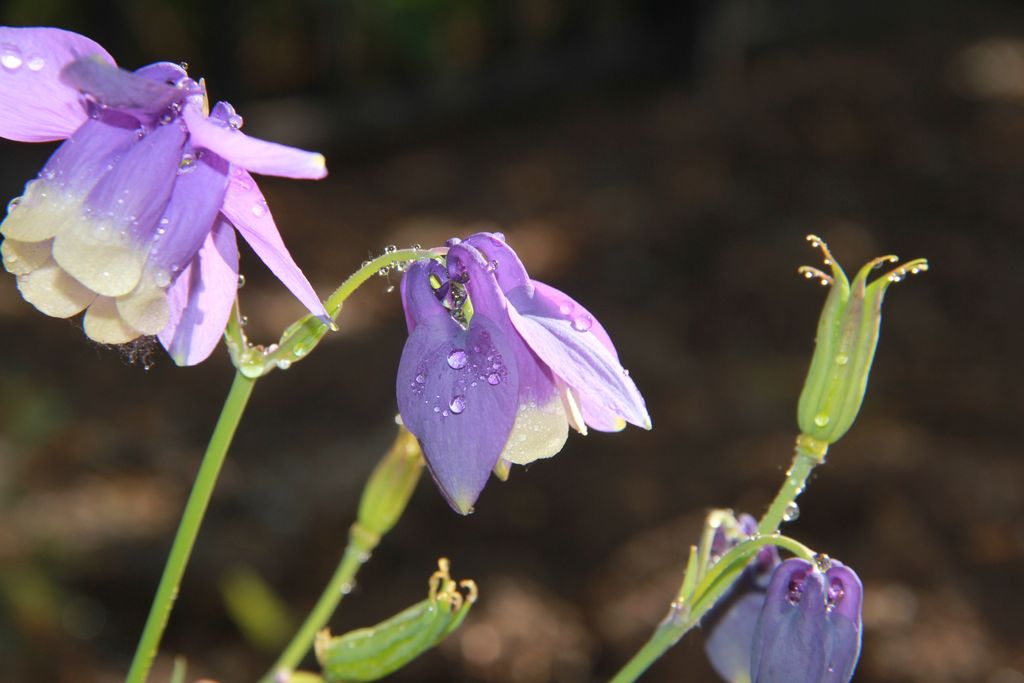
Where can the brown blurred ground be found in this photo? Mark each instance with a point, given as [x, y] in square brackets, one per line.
[675, 209]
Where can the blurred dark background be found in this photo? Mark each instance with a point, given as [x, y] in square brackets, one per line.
[661, 161]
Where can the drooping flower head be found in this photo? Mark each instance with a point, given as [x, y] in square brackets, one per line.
[498, 366]
[132, 219]
[809, 630]
[801, 626]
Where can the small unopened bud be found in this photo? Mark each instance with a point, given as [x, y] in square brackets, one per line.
[845, 343]
[391, 485]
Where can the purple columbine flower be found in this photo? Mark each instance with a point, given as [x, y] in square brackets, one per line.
[132, 219]
[809, 630]
[498, 366]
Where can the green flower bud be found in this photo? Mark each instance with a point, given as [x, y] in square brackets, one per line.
[845, 343]
[368, 654]
[391, 485]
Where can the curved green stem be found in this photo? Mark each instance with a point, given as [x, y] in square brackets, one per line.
[188, 529]
[369, 269]
[684, 616]
[361, 543]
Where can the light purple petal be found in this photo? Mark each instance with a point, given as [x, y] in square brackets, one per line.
[117, 88]
[253, 154]
[444, 398]
[91, 152]
[200, 300]
[554, 303]
[107, 247]
[35, 105]
[193, 208]
[134, 194]
[245, 207]
[579, 359]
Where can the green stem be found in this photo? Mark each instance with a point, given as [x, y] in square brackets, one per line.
[810, 452]
[355, 280]
[188, 529]
[361, 543]
[681, 618]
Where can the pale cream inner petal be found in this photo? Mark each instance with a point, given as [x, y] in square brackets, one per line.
[54, 292]
[103, 324]
[24, 257]
[540, 431]
[40, 212]
[99, 259]
[146, 308]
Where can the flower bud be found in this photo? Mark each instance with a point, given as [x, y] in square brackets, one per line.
[845, 344]
[391, 485]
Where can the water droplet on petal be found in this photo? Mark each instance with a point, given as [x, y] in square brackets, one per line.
[36, 64]
[183, 65]
[494, 379]
[452, 242]
[10, 58]
[457, 405]
[284, 364]
[13, 204]
[821, 420]
[421, 378]
[842, 359]
[565, 308]
[791, 513]
[457, 359]
[582, 323]
[161, 278]
[235, 121]
[241, 281]
[259, 209]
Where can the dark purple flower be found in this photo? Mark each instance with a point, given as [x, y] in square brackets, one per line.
[132, 219]
[809, 630]
[497, 366]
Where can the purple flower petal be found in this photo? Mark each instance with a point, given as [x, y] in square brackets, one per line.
[35, 105]
[462, 422]
[56, 196]
[200, 299]
[117, 88]
[846, 597]
[730, 632]
[106, 247]
[579, 359]
[193, 208]
[245, 207]
[541, 426]
[253, 154]
[789, 641]
[554, 303]
[505, 264]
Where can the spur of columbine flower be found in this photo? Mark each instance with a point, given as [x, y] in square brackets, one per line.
[498, 366]
[132, 219]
